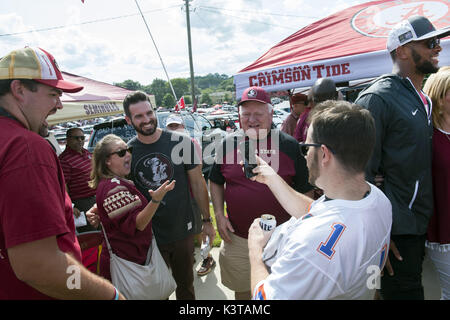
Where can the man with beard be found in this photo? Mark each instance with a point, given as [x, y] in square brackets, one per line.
[402, 155]
[40, 257]
[330, 248]
[160, 155]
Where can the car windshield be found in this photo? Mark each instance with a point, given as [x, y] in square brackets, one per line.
[127, 132]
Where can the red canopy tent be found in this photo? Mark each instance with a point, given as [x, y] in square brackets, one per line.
[348, 45]
[97, 99]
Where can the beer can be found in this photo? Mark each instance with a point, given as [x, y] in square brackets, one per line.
[267, 222]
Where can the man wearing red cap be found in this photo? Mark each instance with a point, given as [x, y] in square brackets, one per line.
[39, 252]
[246, 199]
[299, 102]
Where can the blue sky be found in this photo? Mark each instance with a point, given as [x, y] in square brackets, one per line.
[107, 40]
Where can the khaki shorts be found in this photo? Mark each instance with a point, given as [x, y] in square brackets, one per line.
[235, 264]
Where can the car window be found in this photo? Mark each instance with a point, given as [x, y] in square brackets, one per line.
[126, 132]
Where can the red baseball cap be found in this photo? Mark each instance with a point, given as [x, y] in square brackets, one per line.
[255, 94]
[35, 64]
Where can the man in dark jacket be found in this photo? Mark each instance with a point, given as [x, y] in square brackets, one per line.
[402, 154]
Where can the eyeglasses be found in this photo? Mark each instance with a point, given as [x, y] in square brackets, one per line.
[121, 153]
[433, 43]
[78, 137]
[304, 147]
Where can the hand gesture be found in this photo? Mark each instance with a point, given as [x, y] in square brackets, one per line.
[92, 216]
[159, 194]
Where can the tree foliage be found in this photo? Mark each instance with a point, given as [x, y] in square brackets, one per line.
[204, 86]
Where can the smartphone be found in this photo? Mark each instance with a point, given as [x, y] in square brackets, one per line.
[249, 159]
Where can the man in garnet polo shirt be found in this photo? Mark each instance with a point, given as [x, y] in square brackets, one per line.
[39, 252]
[76, 165]
[247, 200]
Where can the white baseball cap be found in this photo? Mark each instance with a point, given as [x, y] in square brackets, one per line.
[174, 118]
[415, 28]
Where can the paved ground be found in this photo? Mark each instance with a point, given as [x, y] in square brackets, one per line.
[209, 287]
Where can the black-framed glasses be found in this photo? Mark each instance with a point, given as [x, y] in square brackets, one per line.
[121, 153]
[304, 147]
[78, 137]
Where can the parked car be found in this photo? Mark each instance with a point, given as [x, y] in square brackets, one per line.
[196, 125]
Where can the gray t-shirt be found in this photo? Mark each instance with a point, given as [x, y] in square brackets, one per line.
[169, 158]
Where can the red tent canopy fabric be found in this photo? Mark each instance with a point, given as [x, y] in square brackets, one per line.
[348, 45]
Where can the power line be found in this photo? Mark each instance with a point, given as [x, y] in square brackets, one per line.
[85, 23]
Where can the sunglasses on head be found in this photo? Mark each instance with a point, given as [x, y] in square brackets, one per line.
[121, 153]
[78, 137]
[304, 147]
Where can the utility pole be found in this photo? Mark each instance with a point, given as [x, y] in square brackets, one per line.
[191, 65]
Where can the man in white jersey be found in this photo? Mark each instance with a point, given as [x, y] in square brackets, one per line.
[334, 247]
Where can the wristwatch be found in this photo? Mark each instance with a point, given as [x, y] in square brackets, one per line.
[207, 219]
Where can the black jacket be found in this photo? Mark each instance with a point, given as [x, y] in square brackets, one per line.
[402, 152]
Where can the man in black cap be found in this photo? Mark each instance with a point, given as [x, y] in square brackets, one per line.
[322, 90]
[402, 153]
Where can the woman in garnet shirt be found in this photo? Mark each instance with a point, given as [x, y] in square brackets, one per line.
[124, 212]
[437, 88]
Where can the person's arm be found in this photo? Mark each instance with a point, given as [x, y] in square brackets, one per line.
[295, 203]
[218, 201]
[378, 110]
[43, 266]
[257, 240]
[145, 216]
[200, 193]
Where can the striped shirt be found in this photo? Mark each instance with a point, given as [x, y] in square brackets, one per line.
[77, 170]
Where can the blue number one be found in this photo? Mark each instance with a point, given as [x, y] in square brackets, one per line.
[327, 248]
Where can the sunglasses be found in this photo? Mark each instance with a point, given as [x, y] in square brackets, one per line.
[121, 153]
[304, 147]
[78, 137]
[433, 43]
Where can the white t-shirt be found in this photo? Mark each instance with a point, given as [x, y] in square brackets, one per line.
[331, 252]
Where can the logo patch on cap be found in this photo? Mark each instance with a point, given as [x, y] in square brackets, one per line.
[251, 93]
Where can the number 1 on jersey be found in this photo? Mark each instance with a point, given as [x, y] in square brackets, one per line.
[327, 248]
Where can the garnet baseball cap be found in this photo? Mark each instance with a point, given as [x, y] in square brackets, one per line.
[299, 98]
[255, 94]
[35, 64]
[415, 28]
[174, 118]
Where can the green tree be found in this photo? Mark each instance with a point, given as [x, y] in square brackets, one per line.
[180, 86]
[168, 101]
[206, 98]
[130, 85]
[159, 88]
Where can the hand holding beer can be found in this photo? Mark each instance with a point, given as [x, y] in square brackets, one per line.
[267, 222]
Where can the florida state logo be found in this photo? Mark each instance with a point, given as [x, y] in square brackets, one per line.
[251, 93]
[377, 20]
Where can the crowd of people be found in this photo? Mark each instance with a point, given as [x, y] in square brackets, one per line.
[351, 186]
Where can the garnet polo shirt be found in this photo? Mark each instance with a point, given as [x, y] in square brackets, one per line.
[247, 200]
[77, 170]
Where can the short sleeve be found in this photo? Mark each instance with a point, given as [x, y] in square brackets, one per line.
[121, 207]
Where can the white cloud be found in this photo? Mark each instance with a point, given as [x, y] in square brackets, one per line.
[226, 37]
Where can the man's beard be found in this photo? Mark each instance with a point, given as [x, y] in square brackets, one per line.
[313, 170]
[424, 67]
[146, 132]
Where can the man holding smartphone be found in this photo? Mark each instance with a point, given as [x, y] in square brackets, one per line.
[246, 199]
